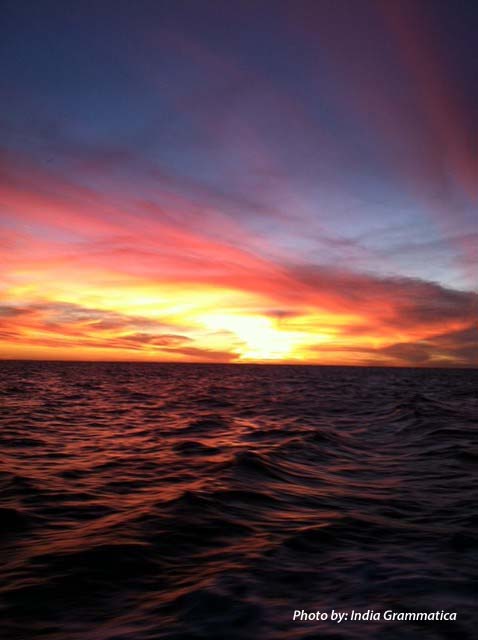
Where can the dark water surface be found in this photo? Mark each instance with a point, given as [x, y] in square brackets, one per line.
[203, 502]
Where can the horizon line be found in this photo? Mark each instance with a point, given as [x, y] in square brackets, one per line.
[246, 364]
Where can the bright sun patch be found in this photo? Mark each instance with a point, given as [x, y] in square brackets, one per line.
[261, 338]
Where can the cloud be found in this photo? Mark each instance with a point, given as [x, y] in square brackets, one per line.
[57, 323]
[448, 349]
[158, 263]
[454, 348]
[7, 311]
[395, 302]
[71, 330]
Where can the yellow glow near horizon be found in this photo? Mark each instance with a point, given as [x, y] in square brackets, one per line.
[261, 338]
[169, 321]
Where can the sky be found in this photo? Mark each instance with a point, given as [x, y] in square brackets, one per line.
[209, 181]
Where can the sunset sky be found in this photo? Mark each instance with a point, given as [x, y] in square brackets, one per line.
[239, 181]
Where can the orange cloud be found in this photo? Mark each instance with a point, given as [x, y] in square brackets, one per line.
[88, 277]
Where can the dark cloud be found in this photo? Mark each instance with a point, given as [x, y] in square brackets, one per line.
[163, 340]
[454, 348]
[99, 329]
[448, 349]
[89, 326]
[10, 311]
[281, 314]
[64, 314]
[394, 301]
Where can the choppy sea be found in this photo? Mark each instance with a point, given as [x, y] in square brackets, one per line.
[209, 502]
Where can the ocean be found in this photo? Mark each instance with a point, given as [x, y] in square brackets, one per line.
[212, 502]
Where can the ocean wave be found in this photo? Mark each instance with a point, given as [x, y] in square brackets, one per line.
[140, 502]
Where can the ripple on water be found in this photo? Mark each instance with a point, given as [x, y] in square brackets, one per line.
[140, 502]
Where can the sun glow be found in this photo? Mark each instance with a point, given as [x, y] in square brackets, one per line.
[188, 321]
[260, 337]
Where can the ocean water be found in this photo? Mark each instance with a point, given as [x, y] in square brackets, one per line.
[197, 502]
